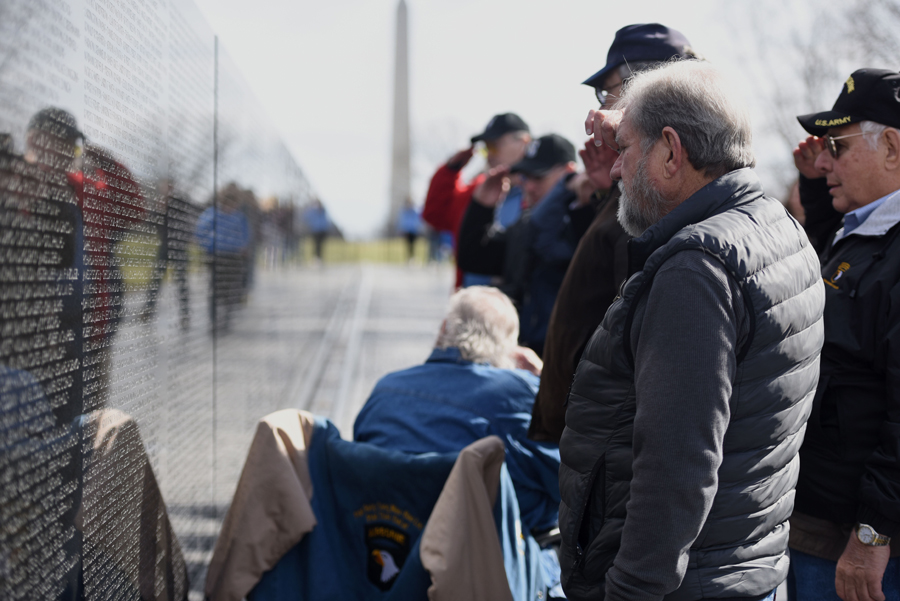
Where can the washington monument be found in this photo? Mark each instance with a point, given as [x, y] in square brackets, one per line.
[400, 171]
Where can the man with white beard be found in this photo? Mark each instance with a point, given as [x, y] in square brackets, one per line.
[679, 456]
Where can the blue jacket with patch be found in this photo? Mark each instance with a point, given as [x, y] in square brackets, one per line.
[371, 505]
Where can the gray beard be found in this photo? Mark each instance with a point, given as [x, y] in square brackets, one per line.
[640, 204]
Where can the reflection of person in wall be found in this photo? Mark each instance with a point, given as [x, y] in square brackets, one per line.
[102, 201]
[112, 207]
[319, 224]
[224, 234]
[32, 445]
[44, 214]
[249, 206]
[172, 252]
[69, 472]
[103, 522]
[409, 224]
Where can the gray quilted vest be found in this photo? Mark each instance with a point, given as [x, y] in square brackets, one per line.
[741, 549]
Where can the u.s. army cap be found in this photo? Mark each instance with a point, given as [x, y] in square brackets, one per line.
[867, 95]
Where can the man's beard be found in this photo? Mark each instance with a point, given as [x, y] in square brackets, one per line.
[640, 205]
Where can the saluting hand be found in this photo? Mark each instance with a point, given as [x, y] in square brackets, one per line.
[603, 126]
[598, 161]
[805, 157]
[494, 188]
[461, 158]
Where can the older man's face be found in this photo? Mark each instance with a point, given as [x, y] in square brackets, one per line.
[507, 150]
[850, 176]
[641, 203]
[536, 187]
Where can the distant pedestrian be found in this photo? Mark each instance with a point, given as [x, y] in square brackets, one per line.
[319, 225]
[409, 223]
[224, 234]
[175, 232]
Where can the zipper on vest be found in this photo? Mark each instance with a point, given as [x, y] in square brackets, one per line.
[579, 558]
[578, 564]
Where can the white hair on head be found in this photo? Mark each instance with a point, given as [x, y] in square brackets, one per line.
[691, 97]
[872, 132]
[483, 324]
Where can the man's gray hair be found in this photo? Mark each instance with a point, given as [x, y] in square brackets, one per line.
[872, 132]
[482, 322]
[691, 97]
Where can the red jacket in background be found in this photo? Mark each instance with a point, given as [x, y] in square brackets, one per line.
[446, 203]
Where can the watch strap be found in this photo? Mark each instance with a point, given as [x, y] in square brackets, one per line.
[878, 540]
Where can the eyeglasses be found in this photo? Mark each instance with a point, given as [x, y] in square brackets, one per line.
[604, 96]
[832, 147]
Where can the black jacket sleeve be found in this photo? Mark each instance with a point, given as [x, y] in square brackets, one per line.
[822, 221]
[879, 491]
[481, 248]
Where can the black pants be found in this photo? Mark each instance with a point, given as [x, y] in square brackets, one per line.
[226, 287]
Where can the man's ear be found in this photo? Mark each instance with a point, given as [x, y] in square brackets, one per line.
[675, 156]
[892, 158]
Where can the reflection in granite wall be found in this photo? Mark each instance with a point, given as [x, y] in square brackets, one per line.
[139, 178]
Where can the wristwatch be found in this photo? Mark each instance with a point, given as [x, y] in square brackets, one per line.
[867, 536]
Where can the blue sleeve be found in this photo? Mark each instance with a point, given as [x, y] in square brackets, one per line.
[553, 240]
[533, 466]
[245, 231]
[204, 232]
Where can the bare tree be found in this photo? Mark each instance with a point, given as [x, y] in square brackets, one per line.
[873, 26]
[801, 55]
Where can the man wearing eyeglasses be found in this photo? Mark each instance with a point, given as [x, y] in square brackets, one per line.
[505, 138]
[530, 255]
[600, 262]
[845, 530]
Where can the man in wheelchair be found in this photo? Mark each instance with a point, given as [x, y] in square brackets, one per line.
[470, 388]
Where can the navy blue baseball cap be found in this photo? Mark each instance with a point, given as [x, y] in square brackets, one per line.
[640, 43]
[544, 154]
[500, 125]
[867, 95]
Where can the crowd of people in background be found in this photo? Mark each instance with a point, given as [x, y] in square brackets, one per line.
[718, 369]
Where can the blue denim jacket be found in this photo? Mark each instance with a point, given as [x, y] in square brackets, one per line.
[447, 403]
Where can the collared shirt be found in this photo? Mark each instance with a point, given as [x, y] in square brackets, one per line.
[854, 219]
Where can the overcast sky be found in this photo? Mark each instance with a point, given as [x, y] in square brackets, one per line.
[323, 71]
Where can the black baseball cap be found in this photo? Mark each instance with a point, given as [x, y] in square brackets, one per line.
[500, 125]
[56, 121]
[544, 154]
[640, 43]
[867, 95]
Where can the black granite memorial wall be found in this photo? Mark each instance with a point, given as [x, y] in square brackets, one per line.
[133, 165]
